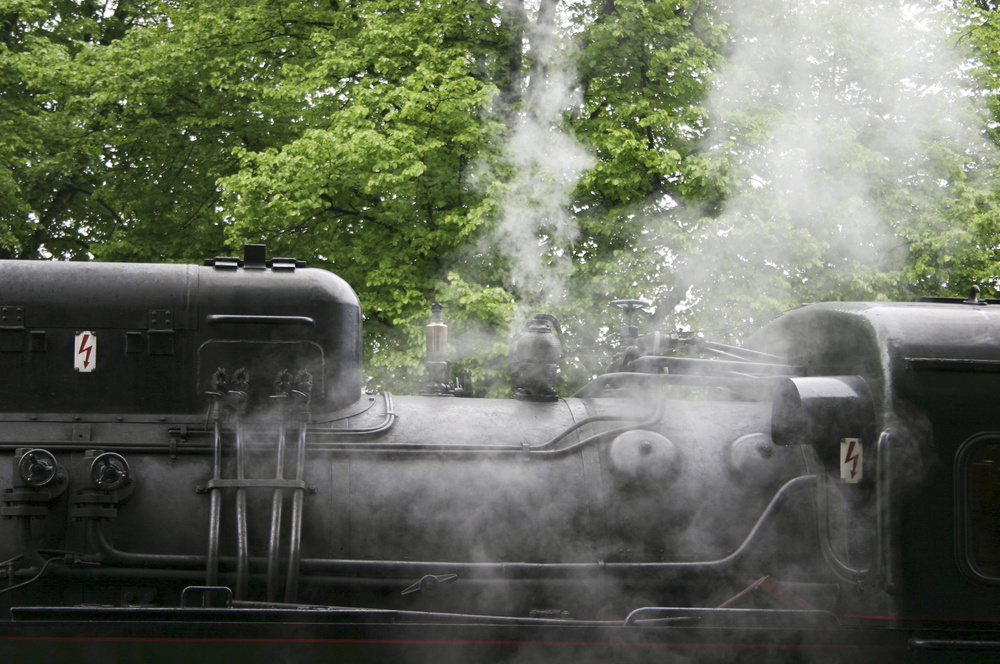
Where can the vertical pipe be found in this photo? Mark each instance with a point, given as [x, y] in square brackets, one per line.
[295, 552]
[243, 550]
[27, 545]
[839, 567]
[214, 510]
[277, 503]
[887, 516]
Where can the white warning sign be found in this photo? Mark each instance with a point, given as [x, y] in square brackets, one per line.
[850, 460]
[85, 351]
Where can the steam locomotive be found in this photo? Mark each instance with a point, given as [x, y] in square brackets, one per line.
[194, 472]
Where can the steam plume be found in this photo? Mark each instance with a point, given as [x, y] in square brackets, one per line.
[547, 162]
[828, 117]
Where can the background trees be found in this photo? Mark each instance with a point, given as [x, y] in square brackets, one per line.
[505, 156]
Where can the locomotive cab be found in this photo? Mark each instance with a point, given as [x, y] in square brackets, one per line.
[931, 468]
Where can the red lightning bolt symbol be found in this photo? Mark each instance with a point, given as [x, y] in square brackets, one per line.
[85, 347]
[851, 456]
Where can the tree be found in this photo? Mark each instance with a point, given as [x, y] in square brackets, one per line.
[505, 157]
[856, 166]
[48, 166]
[395, 114]
[645, 71]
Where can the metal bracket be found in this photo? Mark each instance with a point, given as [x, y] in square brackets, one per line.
[161, 332]
[207, 593]
[178, 436]
[255, 484]
[429, 583]
[12, 333]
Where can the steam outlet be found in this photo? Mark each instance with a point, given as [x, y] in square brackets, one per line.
[534, 359]
[438, 367]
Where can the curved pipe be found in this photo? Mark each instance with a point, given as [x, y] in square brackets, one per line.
[840, 568]
[887, 516]
[699, 367]
[295, 547]
[26, 544]
[214, 510]
[407, 570]
[277, 503]
[384, 425]
[242, 527]
[542, 450]
[596, 386]
[740, 618]
[107, 553]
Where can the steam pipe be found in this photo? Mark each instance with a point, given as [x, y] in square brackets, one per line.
[277, 502]
[242, 535]
[397, 616]
[407, 569]
[645, 424]
[552, 442]
[720, 617]
[589, 390]
[384, 425]
[542, 450]
[842, 569]
[295, 548]
[726, 355]
[214, 509]
[592, 389]
[136, 448]
[886, 515]
[744, 354]
[118, 573]
[317, 432]
[108, 554]
[27, 546]
[596, 386]
[714, 367]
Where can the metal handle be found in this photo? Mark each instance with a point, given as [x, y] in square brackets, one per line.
[226, 319]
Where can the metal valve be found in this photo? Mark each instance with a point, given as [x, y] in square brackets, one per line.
[629, 332]
[630, 307]
[109, 471]
[37, 468]
[429, 583]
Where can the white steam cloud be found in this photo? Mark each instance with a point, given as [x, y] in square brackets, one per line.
[824, 112]
[536, 224]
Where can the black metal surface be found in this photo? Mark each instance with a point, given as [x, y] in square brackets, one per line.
[162, 330]
[434, 640]
[633, 517]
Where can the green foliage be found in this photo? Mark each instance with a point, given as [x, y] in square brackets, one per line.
[376, 185]
[741, 160]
